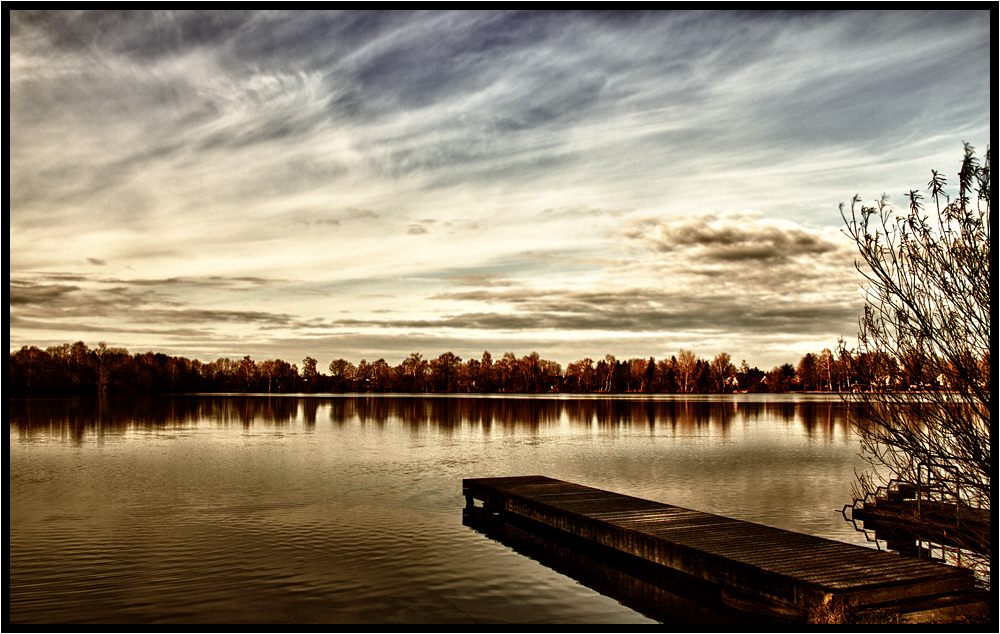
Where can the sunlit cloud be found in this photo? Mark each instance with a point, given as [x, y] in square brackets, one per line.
[329, 181]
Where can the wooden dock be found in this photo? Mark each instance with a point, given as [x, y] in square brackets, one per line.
[814, 579]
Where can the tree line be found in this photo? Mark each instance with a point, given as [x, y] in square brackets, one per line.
[77, 369]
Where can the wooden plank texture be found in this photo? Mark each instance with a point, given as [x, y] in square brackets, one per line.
[810, 573]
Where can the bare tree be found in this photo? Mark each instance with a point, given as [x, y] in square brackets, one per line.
[686, 362]
[247, 372]
[826, 365]
[722, 368]
[927, 285]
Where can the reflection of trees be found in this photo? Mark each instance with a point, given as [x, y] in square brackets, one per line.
[610, 413]
[309, 408]
[247, 411]
[373, 410]
[339, 411]
[78, 418]
[416, 411]
[510, 413]
[821, 417]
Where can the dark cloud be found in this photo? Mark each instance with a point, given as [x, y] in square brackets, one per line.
[135, 301]
[76, 329]
[636, 311]
[130, 311]
[416, 230]
[97, 261]
[25, 293]
[57, 301]
[206, 316]
[730, 238]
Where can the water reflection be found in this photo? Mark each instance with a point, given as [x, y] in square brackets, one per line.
[223, 508]
[656, 591]
[76, 418]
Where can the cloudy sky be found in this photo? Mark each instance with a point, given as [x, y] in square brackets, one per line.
[366, 185]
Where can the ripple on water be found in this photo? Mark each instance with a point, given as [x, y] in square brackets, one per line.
[351, 522]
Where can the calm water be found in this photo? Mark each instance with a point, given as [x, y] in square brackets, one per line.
[349, 509]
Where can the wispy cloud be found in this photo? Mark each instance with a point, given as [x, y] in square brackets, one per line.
[285, 167]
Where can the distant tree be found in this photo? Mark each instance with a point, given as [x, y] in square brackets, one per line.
[65, 374]
[444, 372]
[807, 370]
[486, 382]
[611, 375]
[780, 378]
[25, 368]
[649, 376]
[309, 371]
[722, 368]
[247, 373]
[382, 378]
[752, 379]
[228, 370]
[506, 375]
[338, 367]
[468, 376]
[109, 361]
[844, 364]
[278, 375]
[928, 285]
[413, 373]
[702, 378]
[686, 364]
[550, 374]
[530, 373]
[668, 371]
[604, 373]
[825, 367]
[362, 376]
[75, 368]
[580, 376]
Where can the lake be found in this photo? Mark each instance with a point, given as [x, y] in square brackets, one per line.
[348, 509]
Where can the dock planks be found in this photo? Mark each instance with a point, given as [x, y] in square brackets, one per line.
[813, 576]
